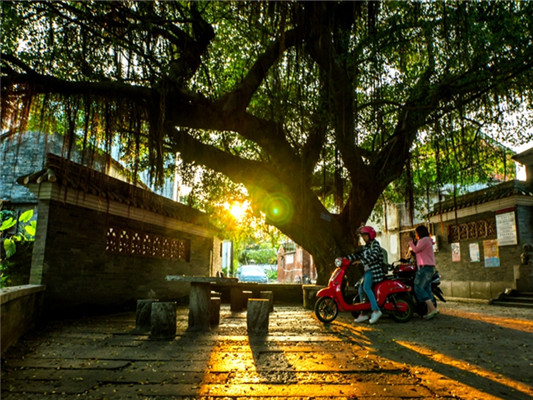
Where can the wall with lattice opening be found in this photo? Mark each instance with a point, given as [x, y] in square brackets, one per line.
[130, 242]
[96, 260]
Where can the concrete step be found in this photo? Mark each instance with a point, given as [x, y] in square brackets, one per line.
[519, 299]
[515, 299]
[520, 294]
[512, 304]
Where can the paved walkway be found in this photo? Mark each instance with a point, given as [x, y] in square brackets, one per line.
[300, 358]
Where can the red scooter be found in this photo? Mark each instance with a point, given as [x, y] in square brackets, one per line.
[392, 296]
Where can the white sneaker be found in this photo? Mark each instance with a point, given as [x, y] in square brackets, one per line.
[361, 318]
[431, 314]
[375, 316]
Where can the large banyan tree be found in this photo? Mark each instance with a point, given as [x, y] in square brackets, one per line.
[314, 107]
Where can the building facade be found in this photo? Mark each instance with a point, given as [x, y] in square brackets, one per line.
[480, 239]
[102, 242]
[295, 265]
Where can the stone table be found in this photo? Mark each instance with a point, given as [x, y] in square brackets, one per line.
[199, 300]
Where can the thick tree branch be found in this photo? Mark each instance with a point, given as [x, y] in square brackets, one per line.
[193, 150]
[237, 100]
[48, 84]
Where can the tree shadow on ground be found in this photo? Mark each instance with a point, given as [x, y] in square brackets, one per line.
[491, 358]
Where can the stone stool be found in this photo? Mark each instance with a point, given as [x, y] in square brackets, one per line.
[270, 296]
[163, 321]
[143, 315]
[236, 299]
[257, 316]
[214, 311]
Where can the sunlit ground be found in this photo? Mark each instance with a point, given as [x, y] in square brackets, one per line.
[266, 367]
[500, 376]
[511, 323]
[471, 368]
[460, 354]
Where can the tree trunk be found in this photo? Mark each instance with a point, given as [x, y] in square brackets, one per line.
[327, 236]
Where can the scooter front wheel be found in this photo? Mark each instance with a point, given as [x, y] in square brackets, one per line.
[326, 309]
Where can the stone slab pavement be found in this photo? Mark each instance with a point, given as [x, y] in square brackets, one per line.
[469, 351]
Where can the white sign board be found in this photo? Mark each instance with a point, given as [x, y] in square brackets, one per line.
[506, 229]
[394, 243]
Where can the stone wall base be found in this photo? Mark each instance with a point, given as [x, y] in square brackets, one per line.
[474, 289]
[21, 309]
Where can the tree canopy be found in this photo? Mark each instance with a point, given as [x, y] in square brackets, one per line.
[313, 107]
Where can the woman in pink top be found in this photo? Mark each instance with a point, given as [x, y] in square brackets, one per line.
[422, 245]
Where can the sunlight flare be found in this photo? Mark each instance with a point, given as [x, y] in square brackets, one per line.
[237, 209]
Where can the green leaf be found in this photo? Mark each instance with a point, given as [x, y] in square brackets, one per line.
[30, 229]
[9, 247]
[26, 216]
[8, 223]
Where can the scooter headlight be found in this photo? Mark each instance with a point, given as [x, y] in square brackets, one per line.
[338, 262]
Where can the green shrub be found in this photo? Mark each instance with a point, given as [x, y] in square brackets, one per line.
[15, 233]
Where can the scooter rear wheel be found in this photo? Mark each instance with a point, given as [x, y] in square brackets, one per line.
[326, 309]
[402, 301]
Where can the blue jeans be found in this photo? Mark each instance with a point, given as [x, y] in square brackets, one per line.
[366, 287]
[423, 284]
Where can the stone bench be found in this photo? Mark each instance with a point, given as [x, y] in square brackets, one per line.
[309, 295]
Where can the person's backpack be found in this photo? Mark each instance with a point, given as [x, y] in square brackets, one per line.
[385, 256]
[385, 260]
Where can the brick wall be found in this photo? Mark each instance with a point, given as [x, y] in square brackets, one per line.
[467, 279]
[79, 274]
[21, 155]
